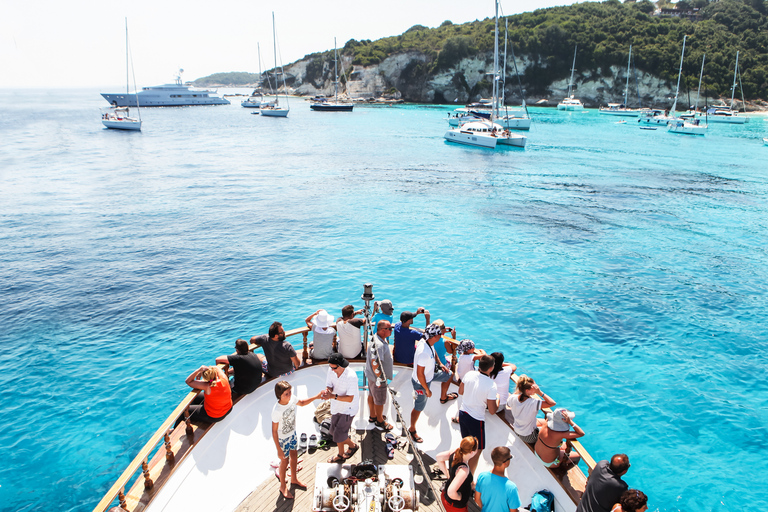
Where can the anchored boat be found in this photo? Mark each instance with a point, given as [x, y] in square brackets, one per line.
[226, 465]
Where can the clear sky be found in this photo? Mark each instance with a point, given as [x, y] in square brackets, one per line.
[81, 43]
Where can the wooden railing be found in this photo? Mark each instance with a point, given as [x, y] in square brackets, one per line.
[141, 461]
[163, 433]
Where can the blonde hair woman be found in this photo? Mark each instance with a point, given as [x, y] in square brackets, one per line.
[215, 401]
[454, 465]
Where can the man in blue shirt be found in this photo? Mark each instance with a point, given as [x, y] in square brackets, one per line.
[494, 492]
[405, 337]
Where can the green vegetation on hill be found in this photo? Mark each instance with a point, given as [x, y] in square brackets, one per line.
[603, 32]
[233, 78]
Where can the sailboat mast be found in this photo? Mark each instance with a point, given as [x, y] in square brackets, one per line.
[735, 70]
[573, 69]
[335, 73]
[701, 75]
[679, 74]
[495, 106]
[504, 67]
[127, 71]
[626, 87]
[274, 45]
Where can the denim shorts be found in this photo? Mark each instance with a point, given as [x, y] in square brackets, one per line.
[421, 397]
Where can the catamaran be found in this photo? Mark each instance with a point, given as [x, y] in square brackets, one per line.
[571, 103]
[229, 465]
[487, 133]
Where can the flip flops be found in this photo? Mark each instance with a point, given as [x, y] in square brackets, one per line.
[449, 397]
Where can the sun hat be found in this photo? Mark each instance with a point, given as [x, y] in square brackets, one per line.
[466, 345]
[323, 319]
[555, 420]
[386, 307]
[338, 360]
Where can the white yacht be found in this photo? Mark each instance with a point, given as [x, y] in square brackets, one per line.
[727, 115]
[571, 103]
[167, 95]
[621, 109]
[230, 465]
[119, 118]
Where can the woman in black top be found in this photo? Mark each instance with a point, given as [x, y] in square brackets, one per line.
[458, 488]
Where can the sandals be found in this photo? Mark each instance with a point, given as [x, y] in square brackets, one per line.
[351, 452]
[386, 427]
[416, 438]
[391, 445]
[338, 459]
[455, 419]
[449, 397]
[372, 419]
[312, 443]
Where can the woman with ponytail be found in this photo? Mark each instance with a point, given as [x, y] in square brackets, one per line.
[453, 465]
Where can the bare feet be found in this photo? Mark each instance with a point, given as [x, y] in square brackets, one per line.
[298, 483]
[286, 493]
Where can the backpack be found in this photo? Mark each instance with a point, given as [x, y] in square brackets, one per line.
[543, 501]
[325, 430]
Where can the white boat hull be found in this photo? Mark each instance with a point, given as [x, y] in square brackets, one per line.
[514, 123]
[687, 128]
[470, 139]
[619, 112]
[714, 118]
[274, 112]
[570, 105]
[124, 124]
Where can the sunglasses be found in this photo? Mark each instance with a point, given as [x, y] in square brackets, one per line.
[334, 367]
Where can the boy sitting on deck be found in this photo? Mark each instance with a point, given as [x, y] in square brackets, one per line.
[284, 433]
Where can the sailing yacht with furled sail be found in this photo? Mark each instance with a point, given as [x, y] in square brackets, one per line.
[621, 109]
[256, 99]
[678, 124]
[727, 115]
[487, 133]
[119, 118]
[571, 103]
[275, 110]
[333, 106]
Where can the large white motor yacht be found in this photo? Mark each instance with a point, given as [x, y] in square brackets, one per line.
[167, 95]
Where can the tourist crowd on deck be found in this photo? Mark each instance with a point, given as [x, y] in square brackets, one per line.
[435, 359]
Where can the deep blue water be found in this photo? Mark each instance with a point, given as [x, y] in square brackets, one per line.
[624, 269]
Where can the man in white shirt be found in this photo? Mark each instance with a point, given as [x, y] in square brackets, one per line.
[348, 332]
[342, 389]
[427, 368]
[478, 392]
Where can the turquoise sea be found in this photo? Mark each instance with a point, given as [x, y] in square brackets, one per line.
[624, 269]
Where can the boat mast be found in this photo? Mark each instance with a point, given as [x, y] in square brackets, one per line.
[735, 70]
[701, 75]
[127, 71]
[274, 45]
[626, 87]
[679, 74]
[573, 68]
[335, 73]
[495, 106]
[504, 68]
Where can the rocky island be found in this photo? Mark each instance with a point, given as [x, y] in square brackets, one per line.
[450, 64]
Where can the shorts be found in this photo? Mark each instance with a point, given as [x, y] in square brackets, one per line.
[530, 438]
[378, 393]
[421, 397]
[471, 427]
[340, 424]
[449, 507]
[287, 444]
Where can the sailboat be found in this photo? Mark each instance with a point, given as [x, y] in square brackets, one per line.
[678, 124]
[621, 109]
[571, 103]
[333, 106]
[275, 110]
[119, 118]
[256, 99]
[728, 115]
[482, 132]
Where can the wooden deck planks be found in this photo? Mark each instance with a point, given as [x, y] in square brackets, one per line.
[266, 497]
